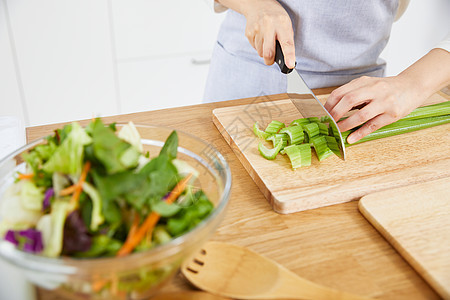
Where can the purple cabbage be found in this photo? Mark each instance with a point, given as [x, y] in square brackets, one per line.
[29, 240]
[48, 194]
[166, 196]
[76, 235]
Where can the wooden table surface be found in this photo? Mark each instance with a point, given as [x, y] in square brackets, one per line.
[334, 246]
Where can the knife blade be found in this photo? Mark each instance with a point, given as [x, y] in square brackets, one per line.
[305, 101]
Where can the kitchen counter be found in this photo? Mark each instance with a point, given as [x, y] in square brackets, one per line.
[334, 246]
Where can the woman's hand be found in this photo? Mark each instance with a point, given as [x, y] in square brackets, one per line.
[268, 21]
[385, 100]
[381, 102]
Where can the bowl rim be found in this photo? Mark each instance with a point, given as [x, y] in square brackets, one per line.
[33, 262]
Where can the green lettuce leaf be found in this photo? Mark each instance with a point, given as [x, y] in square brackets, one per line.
[189, 217]
[170, 147]
[115, 154]
[68, 157]
[31, 196]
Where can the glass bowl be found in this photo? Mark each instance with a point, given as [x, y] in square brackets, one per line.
[138, 275]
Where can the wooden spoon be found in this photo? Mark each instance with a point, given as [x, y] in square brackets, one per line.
[237, 272]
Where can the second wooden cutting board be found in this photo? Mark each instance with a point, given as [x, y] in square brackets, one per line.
[415, 219]
[372, 166]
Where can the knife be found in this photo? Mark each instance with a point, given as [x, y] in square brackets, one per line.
[307, 103]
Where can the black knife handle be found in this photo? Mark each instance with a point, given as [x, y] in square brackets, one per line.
[279, 59]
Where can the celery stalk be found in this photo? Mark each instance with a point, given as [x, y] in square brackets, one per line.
[399, 127]
[434, 110]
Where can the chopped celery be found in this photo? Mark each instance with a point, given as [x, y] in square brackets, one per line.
[333, 145]
[275, 138]
[325, 138]
[323, 128]
[305, 153]
[313, 120]
[274, 127]
[259, 133]
[295, 134]
[321, 147]
[301, 121]
[325, 119]
[299, 155]
[269, 153]
[312, 129]
[293, 152]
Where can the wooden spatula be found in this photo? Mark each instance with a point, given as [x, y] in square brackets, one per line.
[232, 271]
[185, 295]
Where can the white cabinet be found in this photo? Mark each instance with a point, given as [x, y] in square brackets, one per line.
[162, 83]
[10, 98]
[64, 57]
[80, 58]
[163, 50]
[151, 28]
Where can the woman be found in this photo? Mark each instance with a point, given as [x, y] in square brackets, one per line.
[334, 43]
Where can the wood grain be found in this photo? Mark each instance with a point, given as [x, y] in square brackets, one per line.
[374, 166]
[334, 246]
[416, 221]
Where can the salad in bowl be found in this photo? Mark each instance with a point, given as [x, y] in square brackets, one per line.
[109, 211]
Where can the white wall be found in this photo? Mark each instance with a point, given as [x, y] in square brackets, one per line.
[422, 26]
[65, 60]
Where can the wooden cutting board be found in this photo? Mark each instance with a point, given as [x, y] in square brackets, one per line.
[372, 166]
[415, 219]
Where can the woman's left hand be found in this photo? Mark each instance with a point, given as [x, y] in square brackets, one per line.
[381, 102]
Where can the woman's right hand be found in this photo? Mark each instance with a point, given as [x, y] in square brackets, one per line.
[268, 21]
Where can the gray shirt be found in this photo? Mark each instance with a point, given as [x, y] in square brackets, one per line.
[335, 42]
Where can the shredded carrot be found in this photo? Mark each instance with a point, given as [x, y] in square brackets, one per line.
[25, 176]
[68, 190]
[134, 227]
[79, 184]
[151, 220]
[114, 284]
[98, 285]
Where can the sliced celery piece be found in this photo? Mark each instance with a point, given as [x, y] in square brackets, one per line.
[325, 119]
[399, 127]
[269, 153]
[313, 120]
[321, 147]
[305, 153]
[274, 127]
[301, 121]
[275, 138]
[312, 129]
[299, 155]
[323, 128]
[259, 133]
[293, 152]
[295, 134]
[333, 144]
